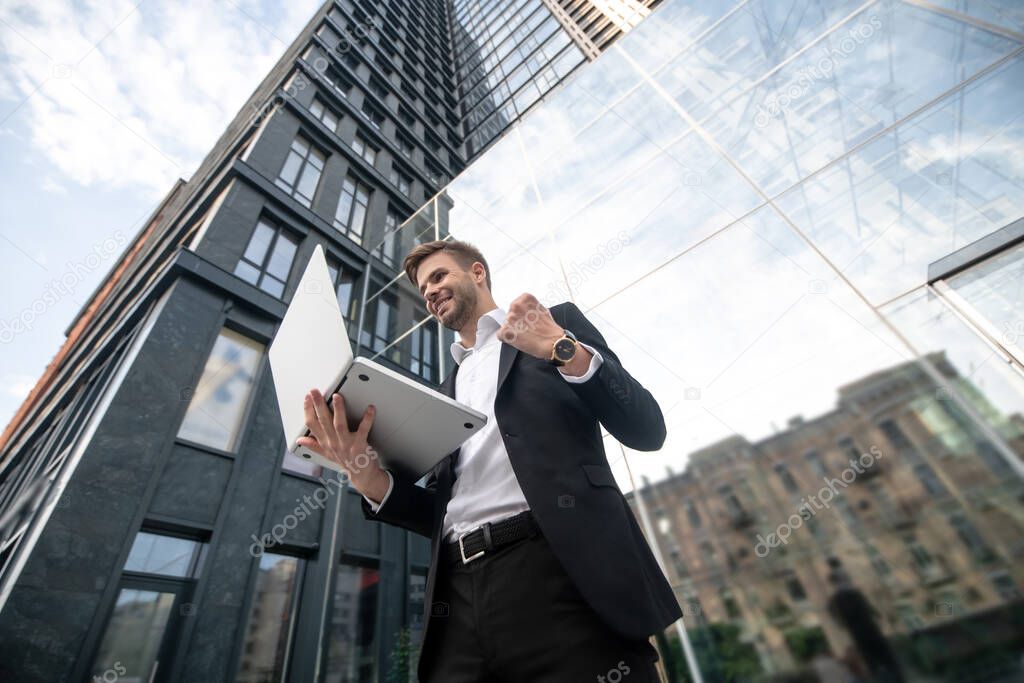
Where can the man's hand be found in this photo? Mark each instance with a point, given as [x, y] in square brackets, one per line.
[333, 440]
[530, 328]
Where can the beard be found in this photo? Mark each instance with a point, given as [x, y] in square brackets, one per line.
[460, 308]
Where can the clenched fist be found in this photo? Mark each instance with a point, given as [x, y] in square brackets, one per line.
[529, 327]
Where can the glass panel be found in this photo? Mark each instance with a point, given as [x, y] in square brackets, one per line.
[882, 65]
[157, 554]
[290, 171]
[995, 289]
[310, 178]
[219, 400]
[930, 186]
[247, 272]
[344, 212]
[281, 258]
[260, 242]
[268, 628]
[976, 380]
[352, 634]
[131, 643]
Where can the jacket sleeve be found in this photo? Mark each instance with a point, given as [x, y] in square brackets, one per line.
[407, 505]
[626, 409]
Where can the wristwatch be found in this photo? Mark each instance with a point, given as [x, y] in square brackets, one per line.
[564, 349]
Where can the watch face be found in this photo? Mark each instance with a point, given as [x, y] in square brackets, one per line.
[565, 349]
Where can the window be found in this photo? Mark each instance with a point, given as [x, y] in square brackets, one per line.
[217, 405]
[387, 248]
[732, 502]
[424, 344]
[795, 588]
[381, 322]
[405, 145]
[432, 142]
[693, 514]
[678, 564]
[268, 258]
[268, 631]
[729, 603]
[878, 562]
[1005, 586]
[364, 149]
[326, 116]
[152, 602]
[352, 207]
[344, 280]
[379, 89]
[663, 523]
[406, 116]
[786, 477]
[816, 464]
[341, 85]
[895, 435]
[352, 639]
[375, 118]
[402, 181]
[971, 538]
[435, 174]
[849, 448]
[301, 171]
[930, 482]
[922, 558]
[164, 555]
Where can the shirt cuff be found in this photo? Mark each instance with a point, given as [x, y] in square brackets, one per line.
[595, 363]
[376, 506]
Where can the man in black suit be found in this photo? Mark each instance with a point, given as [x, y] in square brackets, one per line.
[539, 571]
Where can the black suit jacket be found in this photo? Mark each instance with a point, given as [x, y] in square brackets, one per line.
[550, 429]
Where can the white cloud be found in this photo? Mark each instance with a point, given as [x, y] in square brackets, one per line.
[124, 95]
[18, 386]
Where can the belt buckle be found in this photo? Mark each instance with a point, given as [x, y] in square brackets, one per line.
[462, 548]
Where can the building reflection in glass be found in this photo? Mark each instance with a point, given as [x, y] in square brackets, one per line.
[352, 648]
[888, 515]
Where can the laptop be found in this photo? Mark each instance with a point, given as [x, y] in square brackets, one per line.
[414, 426]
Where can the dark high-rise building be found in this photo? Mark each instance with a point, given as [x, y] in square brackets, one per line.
[143, 476]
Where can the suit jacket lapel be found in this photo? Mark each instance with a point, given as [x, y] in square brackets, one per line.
[508, 354]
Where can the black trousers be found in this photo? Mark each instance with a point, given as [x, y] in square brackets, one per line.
[514, 615]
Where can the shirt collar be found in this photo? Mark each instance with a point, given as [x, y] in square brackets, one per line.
[486, 327]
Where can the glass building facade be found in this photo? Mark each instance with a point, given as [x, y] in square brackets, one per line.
[798, 224]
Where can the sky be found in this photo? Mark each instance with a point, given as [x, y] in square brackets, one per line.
[103, 105]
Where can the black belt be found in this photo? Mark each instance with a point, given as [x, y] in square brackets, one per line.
[489, 537]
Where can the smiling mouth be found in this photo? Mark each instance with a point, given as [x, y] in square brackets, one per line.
[443, 306]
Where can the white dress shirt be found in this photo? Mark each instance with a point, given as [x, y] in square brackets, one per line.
[485, 488]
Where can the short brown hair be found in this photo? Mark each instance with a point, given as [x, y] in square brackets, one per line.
[463, 252]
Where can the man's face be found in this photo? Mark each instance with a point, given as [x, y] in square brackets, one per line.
[448, 290]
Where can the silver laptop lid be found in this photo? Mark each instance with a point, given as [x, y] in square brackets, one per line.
[312, 348]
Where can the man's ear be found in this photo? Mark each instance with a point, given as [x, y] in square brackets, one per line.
[479, 274]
